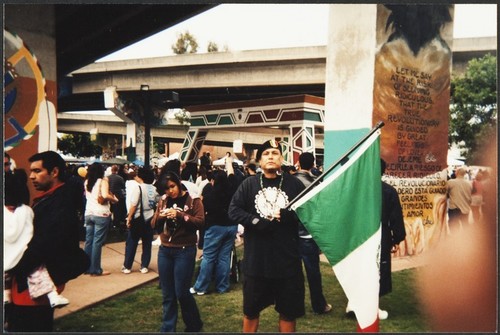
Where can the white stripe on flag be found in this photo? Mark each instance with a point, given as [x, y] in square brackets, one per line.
[359, 276]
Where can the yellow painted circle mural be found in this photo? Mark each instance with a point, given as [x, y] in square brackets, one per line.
[24, 87]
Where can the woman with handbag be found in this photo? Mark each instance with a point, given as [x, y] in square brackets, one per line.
[178, 216]
[141, 202]
[97, 216]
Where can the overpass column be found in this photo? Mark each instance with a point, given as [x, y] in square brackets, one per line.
[392, 63]
[192, 145]
[131, 134]
[113, 103]
[302, 140]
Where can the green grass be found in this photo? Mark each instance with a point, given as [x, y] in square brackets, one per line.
[140, 311]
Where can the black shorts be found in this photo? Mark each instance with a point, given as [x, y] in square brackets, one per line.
[287, 294]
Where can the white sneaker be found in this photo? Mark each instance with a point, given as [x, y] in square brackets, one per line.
[193, 291]
[58, 301]
[382, 315]
[157, 242]
[126, 271]
[349, 312]
[348, 309]
[144, 270]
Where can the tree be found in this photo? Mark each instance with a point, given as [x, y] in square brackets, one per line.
[186, 43]
[158, 146]
[212, 47]
[78, 145]
[473, 110]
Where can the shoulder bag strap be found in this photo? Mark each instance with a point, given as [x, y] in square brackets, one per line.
[140, 200]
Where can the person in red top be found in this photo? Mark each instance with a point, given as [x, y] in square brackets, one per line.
[55, 243]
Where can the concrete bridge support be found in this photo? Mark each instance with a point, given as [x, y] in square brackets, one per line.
[192, 145]
[302, 140]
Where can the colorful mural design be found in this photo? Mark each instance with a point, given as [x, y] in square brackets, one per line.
[303, 141]
[24, 87]
[411, 95]
[26, 107]
[257, 117]
[192, 145]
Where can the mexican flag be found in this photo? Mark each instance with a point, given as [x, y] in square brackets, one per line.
[343, 216]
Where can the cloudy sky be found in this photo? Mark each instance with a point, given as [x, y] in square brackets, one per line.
[263, 26]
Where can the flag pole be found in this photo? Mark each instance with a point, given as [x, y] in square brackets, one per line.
[341, 161]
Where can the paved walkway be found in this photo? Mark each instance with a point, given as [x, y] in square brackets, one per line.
[86, 291]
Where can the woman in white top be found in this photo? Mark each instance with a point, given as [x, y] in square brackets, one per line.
[97, 216]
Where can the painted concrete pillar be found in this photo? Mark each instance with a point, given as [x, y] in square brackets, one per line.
[131, 134]
[393, 64]
[30, 85]
[191, 147]
[350, 64]
[302, 140]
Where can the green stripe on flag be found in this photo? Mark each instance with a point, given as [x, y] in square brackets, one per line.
[344, 211]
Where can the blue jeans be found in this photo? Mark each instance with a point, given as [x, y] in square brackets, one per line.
[96, 231]
[309, 251]
[131, 246]
[217, 245]
[176, 268]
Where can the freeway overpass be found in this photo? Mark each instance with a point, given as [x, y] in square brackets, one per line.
[223, 76]
[210, 78]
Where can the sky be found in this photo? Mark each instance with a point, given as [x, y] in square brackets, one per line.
[269, 26]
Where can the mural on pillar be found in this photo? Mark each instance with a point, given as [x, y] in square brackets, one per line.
[291, 112]
[192, 145]
[257, 117]
[285, 147]
[28, 113]
[302, 141]
[412, 95]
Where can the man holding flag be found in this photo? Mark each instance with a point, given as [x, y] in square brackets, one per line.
[272, 265]
[343, 216]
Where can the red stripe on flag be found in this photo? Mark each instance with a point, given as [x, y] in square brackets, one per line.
[373, 328]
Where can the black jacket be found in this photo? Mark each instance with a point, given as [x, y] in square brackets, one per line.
[393, 232]
[55, 241]
[216, 202]
[271, 247]
[307, 179]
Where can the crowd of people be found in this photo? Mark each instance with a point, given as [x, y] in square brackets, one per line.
[189, 207]
[467, 194]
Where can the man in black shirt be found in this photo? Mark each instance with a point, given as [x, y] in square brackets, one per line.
[117, 187]
[309, 250]
[272, 264]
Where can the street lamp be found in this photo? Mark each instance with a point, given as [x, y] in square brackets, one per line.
[147, 126]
